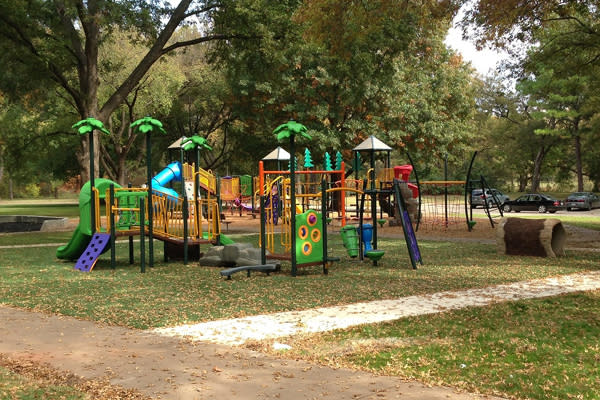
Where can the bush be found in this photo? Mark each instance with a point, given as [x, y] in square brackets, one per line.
[31, 190]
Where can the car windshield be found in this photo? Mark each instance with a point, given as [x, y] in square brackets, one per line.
[579, 194]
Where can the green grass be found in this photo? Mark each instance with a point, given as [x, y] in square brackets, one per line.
[49, 210]
[16, 386]
[538, 349]
[171, 294]
[29, 238]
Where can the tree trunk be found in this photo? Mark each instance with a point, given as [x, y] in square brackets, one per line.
[1, 167]
[83, 157]
[537, 169]
[578, 163]
[523, 180]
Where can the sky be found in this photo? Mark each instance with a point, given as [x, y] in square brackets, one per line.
[484, 61]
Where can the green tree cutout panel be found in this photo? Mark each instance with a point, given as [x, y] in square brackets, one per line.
[327, 163]
[338, 161]
[309, 237]
[308, 162]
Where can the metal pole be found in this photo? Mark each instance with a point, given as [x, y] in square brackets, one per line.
[324, 222]
[142, 238]
[356, 170]
[293, 205]
[185, 229]
[113, 233]
[150, 203]
[129, 204]
[446, 189]
[263, 236]
[373, 203]
[92, 181]
[468, 215]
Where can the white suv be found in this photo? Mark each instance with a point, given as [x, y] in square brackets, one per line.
[478, 198]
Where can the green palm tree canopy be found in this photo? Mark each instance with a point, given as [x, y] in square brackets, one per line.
[290, 128]
[88, 125]
[195, 142]
[148, 124]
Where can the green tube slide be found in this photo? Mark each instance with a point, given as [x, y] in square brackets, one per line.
[83, 233]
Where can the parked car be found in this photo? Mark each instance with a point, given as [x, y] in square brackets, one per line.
[478, 198]
[585, 200]
[534, 202]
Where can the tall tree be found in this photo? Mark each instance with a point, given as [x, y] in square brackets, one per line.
[559, 73]
[203, 106]
[561, 85]
[57, 41]
[513, 149]
[501, 23]
[333, 67]
[560, 104]
[154, 95]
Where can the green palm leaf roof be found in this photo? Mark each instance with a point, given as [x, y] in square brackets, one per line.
[148, 124]
[88, 125]
[291, 128]
[195, 142]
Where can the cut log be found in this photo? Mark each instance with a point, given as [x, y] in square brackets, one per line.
[531, 237]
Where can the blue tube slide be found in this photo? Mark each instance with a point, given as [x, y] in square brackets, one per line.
[172, 172]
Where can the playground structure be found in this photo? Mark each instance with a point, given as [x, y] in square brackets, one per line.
[180, 220]
[299, 203]
[492, 209]
[237, 192]
[308, 243]
[158, 211]
[305, 209]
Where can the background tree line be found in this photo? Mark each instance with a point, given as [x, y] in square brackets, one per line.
[231, 71]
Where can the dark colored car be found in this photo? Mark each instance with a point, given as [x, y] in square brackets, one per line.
[584, 200]
[534, 202]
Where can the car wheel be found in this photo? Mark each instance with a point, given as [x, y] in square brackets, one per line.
[552, 212]
[542, 209]
[568, 208]
[506, 208]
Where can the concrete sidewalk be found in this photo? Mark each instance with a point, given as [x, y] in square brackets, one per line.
[169, 368]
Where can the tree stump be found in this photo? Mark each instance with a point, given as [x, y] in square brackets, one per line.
[531, 237]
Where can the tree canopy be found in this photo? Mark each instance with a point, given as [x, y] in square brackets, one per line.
[58, 43]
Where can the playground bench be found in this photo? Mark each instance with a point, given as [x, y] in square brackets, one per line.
[267, 268]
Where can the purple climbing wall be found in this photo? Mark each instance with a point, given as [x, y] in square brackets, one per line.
[97, 245]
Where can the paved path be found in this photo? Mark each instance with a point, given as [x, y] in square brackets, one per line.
[170, 368]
